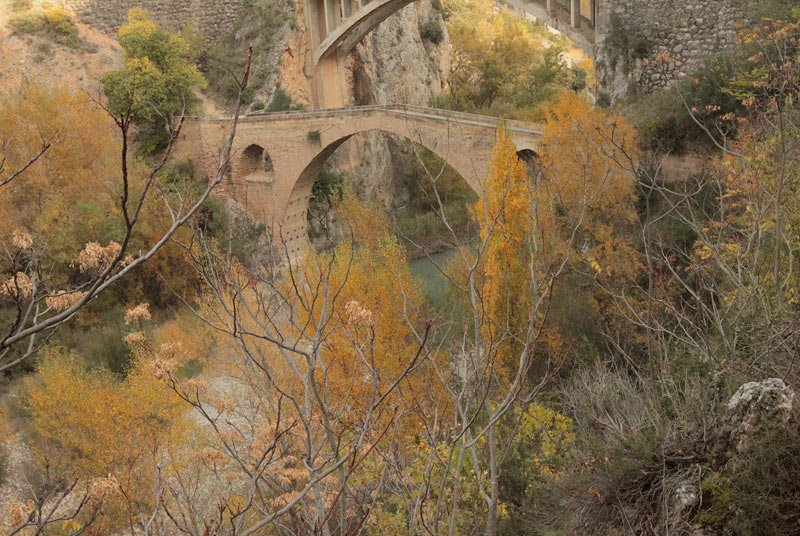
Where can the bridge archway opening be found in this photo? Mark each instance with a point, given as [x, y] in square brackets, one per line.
[254, 163]
[453, 186]
[532, 162]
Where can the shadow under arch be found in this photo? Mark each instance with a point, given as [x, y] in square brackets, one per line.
[254, 163]
[294, 230]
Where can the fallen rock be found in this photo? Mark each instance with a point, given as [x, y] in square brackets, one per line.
[753, 405]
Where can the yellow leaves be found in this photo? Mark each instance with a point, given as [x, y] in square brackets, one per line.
[367, 222]
[80, 160]
[91, 424]
[581, 208]
[554, 429]
[139, 25]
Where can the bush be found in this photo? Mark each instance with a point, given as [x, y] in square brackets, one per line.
[21, 5]
[102, 346]
[260, 22]
[281, 101]
[432, 31]
[759, 492]
[663, 120]
[50, 22]
[639, 437]
[325, 194]
[313, 136]
[623, 46]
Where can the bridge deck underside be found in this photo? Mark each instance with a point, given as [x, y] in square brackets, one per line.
[341, 37]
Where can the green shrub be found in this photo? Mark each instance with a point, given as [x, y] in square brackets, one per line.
[21, 5]
[281, 101]
[328, 188]
[432, 31]
[101, 346]
[50, 22]
[227, 53]
[758, 492]
[663, 119]
[313, 136]
[325, 194]
[623, 46]
[234, 230]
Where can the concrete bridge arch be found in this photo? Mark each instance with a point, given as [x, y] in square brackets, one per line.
[278, 157]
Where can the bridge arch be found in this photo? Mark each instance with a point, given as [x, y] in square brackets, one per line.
[294, 228]
[299, 143]
[254, 164]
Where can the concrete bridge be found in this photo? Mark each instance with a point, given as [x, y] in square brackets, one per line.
[577, 19]
[338, 25]
[278, 156]
[334, 28]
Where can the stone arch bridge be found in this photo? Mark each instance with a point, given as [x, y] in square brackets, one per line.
[277, 156]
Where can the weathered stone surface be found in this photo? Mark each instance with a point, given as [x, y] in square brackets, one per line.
[685, 498]
[211, 16]
[393, 64]
[752, 406]
[688, 31]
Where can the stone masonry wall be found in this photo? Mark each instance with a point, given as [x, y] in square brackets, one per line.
[689, 30]
[210, 16]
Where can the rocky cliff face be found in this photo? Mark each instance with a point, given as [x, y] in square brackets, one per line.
[394, 64]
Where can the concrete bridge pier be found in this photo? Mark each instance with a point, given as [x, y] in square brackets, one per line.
[329, 83]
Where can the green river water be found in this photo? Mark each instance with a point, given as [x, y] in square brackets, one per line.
[433, 284]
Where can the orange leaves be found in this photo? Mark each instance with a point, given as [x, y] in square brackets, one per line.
[47, 200]
[89, 423]
[577, 212]
[97, 257]
[592, 186]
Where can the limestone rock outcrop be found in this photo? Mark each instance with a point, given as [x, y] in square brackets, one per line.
[754, 405]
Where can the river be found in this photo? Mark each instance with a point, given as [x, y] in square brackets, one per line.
[434, 284]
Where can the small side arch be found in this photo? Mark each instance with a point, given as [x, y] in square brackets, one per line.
[254, 164]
